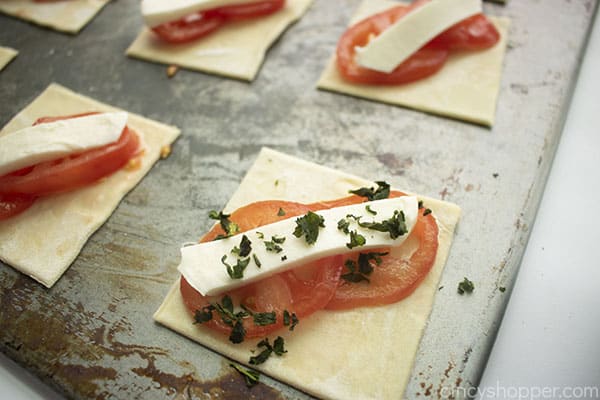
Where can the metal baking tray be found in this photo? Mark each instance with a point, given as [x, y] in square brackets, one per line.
[92, 335]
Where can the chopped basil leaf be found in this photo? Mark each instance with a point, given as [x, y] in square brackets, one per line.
[502, 289]
[308, 226]
[236, 271]
[266, 318]
[251, 377]
[230, 228]
[283, 258]
[420, 204]
[245, 246]
[426, 212]
[356, 240]
[256, 260]
[353, 276]
[382, 191]
[395, 225]
[204, 315]
[466, 286]
[237, 333]
[290, 320]
[273, 247]
[260, 235]
[278, 346]
[369, 210]
[278, 239]
[227, 304]
[344, 225]
[280, 213]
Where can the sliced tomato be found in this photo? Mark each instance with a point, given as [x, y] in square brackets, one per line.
[473, 33]
[309, 288]
[13, 205]
[73, 171]
[301, 291]
[202, 23]
[396, 277]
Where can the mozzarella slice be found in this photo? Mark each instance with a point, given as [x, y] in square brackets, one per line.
[202, 266]
[58, 139]
[156, 12]
[411, 32]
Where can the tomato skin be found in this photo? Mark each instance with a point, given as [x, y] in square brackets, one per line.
[11, 205]
[203, 23]
[473, 33]
[72, 172]
[422, 64]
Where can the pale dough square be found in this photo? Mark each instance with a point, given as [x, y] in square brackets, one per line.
[466, 88]
[236, 50]
[45, 239]
[365, 353]
[65, 16]
[6, 56]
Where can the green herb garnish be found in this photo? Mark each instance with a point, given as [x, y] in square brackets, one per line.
[265, 318]
[236, 271]
[250, 376]
[502, 289]
[280, 213]
[426, 212]
[256, 260]
[344, 225]
[382, 191]
[353, 275]
[277, 348]
[466, 286]
[273, 247]
[359, 271]
[369, 210]
[356, 240]
[308, 226]
[260, 235]
[204, 315]
[395, 225]
[290, 319]
[230, 228]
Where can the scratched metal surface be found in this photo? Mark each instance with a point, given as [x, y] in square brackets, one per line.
[91, 336]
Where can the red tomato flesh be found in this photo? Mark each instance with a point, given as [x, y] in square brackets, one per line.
[19, 189]
[474, 33]
[202, 23]
[13, 205]
[318, 285]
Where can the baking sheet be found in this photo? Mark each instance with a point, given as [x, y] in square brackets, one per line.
[92, 336]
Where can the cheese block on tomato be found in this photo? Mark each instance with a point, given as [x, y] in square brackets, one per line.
[43, 241]
[466, 88]
[54, 140]
[203, 268]
[235, 50]
[156, 12]
[362, 353]
[411, 32]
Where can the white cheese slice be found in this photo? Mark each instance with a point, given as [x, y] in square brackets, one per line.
[156, 12]
[58, 139]
[202, 267]
[411, 32]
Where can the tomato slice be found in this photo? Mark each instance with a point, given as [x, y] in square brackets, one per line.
[317, 285]
[301, 291]
[13, 205]
[474, 33]
[203, 23]
[73, 171]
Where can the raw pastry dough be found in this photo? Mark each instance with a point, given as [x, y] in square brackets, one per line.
[465, 88]
[44, 240]
[365, 353]
[236, 50]
[6, 56]
[65, 16]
